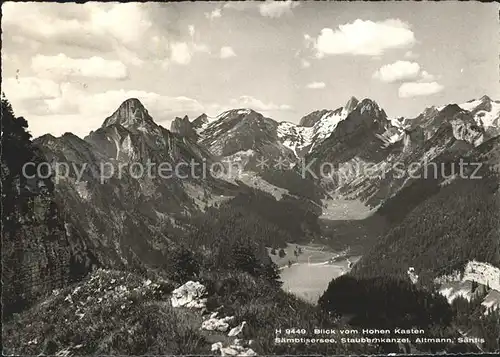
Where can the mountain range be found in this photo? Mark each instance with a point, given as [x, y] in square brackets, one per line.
[132, 221]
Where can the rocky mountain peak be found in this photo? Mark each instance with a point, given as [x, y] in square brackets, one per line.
[485, 98]
[199, 121]
[351, 104]
[312, 118]
[485, 104]
[370, 108]
[239, 112]
[183, 127]
[203, 116]
[450, 110]
[130, 113]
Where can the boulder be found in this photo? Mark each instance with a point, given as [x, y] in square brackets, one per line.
[215, 324]
[233, 350]
[190, 295]
[237, 330]
[412, 275]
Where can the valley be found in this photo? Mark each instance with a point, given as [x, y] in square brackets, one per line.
[322, 247]
[309, 273]
[252, 178]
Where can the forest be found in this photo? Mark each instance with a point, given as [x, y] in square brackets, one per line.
[389, 303]
[455, 224]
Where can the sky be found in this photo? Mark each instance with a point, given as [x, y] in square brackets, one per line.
[66, 67]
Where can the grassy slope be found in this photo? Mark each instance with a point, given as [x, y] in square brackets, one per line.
[118, 313]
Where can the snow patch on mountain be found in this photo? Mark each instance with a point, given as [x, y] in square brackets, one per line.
[456, 284]
[489, 118]
[297, 137]
[486, 118]
[327, 124]
[483, 273]
[206, 124]
[453, 290]
[492, 300]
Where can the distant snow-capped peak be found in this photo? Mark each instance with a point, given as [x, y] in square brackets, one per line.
[319, 125]
[485, 111]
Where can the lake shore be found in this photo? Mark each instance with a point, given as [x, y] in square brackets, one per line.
[311, 271]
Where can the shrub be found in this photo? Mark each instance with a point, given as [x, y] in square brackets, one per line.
[282, 253]
[182, 265]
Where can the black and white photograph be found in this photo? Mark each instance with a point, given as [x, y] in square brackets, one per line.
[250, 178]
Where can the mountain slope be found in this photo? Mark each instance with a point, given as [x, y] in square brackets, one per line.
[243, 130]
[455, 221]
[39, 254]
[486, 114]
[355, 142]
[134, 186]
[401, 148]
[313, 128]
[130, 208]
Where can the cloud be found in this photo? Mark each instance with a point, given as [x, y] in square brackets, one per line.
[398, 71]
[365, 38]
[94, 67]
[427, 77]
[316, 85]
[59, 108]
[181, 53]
[227, 52]
[246, 101]
[403, 71]
[123, 23]
[30, 88]
[35, 96]
[214, 14]
[414, 89]
[125, 30]
[272, 9]
[200, 47]
[275, 9]
[239, 5]
[410, 54]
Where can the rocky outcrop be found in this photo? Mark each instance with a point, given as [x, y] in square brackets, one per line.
[183, 127]
[413, 139]
[468, 132]
[412, 275]
[38, 253]
[200, 121]
[237, 330]
[193, 295]
[236, 348]
[351, 104]
[213, 323]
[190, 295]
